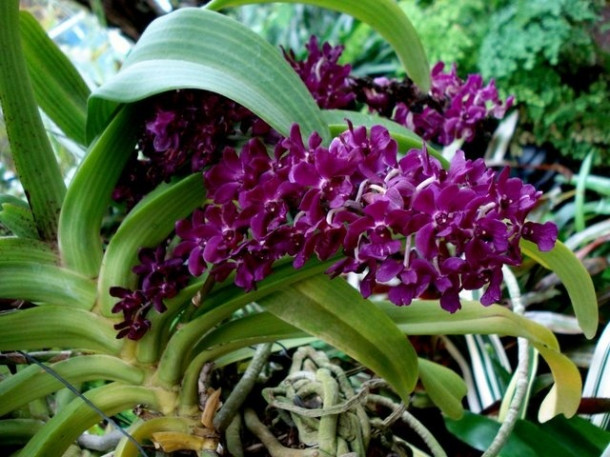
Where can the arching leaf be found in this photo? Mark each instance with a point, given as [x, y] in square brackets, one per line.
[201, 49]
[385, 16]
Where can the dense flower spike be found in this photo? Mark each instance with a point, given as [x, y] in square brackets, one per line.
[407, 223]
[465, 104]
[328, 81]
[453, 109]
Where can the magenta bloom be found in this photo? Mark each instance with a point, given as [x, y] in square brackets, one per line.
[328, 82]
[407, 225]
[453, 109]
[459, 108]
[160, 277]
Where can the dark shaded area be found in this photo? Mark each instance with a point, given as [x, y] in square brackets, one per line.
[132, 17]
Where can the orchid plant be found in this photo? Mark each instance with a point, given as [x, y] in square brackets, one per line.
[221, 175]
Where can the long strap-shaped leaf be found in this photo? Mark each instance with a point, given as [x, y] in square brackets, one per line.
[200, 49]
[13, 249]
[487, 357]
[32, 383]
[427, 317]
[596, 384]
[63, 429]
[445, 388]
[335, 312]
[90, 193]
[57, 327]
[17, 218]
[385, 16]
[17, 432]
[574, 277]
[59, 89]
[46, 283]
[34, 159]
[217, 306]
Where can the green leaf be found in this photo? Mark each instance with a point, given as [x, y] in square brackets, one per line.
[90, 193]
[444, 387]
[57, 327]
[34, 158]
[532, 369]
[18, 220]
[489, 367]
[385, 16]
[574, 277]
[201, 49]
[18, 431]
[147, 224]
[559, 437]
[428, 318]
[32, 281]
[335, 312]
[252, 329]
[579, 198]
[32, 382]
[219, 304]
[58, 87]
[578, 434]
[596, 383]
[7, 198]
[247, 352]
[64, 428]
[284, 275]
[564, 397]
[13, 249]
[596, 183]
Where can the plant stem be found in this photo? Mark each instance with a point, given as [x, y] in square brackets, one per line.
[243, 387]
[327, 432]
[34, 159]
[522, 372]
[275, 448]
[413, 422]
[177, 352]
[233, 439]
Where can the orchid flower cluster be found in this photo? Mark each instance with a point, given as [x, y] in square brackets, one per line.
[410, 227]
[453, 109]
